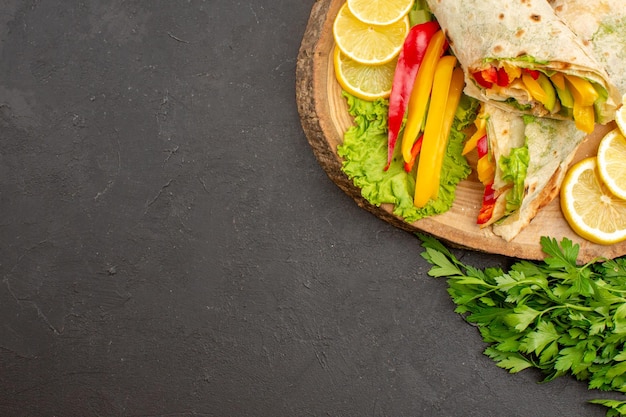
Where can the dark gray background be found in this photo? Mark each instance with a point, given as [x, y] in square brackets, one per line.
[169, 245]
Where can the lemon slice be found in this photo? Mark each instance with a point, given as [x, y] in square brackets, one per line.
[367, 43]
[611, 162]
[620, 116]
[589, 207]
[380, 12]
[368, 82]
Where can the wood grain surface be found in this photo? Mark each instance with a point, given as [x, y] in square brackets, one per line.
[324, 117]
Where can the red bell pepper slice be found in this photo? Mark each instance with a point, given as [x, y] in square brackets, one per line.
[503, 77]
[489, 195]
[409, 61]
[531, 72]
[482, 146]
[478, 76]
[489, 203]
[490, 74]
[415, 150]
[487, 78]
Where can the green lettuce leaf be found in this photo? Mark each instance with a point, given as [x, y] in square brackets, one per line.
[364, 153]
[514, 169]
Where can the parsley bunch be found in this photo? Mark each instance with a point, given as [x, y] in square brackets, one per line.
[554, 315]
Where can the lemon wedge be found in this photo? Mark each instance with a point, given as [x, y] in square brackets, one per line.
[368, 82]
[590, 209]
[367, 43]
[380, 12]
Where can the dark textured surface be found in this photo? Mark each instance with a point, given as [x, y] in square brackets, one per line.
[169, 245]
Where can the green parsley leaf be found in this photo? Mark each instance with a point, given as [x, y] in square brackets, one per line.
[563, 257]
[616, 370]
[537, 340]
[616, 408]
[521, 317]
[554, 315]
[513, 362]
[443, 267]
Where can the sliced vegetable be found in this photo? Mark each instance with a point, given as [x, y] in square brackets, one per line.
[502, 75]
[425, 180]
[478, 77]
[565, 95]
[541, 89]
[550, 99]
[512, 71]
[584, 116]
[421, 92]
[533, 73]
[481, 130]
[502, 78]
[364, 158]
[454, 97]
[558, 79]
[587, 94]
[584, 96]
[568, 95]
[489, 203]
[490, 75]
[482, 146]
[485, 169]
[409, 61]
[534, 88]
[599, 106]
[415, 150]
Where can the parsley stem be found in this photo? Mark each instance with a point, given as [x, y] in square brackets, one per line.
[569, 306]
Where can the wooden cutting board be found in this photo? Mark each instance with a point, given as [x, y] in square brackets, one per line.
[324, 117]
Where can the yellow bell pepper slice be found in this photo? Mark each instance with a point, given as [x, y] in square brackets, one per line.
[421, 92]
[424, 181]
[454, 97]
[584, 116]
[587, 95]
[481, 130]
[486, 169]
[583, 112]
[513, 72]
[558, 79]
[534, 88]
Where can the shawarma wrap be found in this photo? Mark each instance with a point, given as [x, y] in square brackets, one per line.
[520, 56]
[531, 156]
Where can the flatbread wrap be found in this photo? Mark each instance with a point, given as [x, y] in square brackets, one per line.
[520, 56]
[530, 157]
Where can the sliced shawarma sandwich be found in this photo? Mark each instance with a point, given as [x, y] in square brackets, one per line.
[522, 162]
[520, 56]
